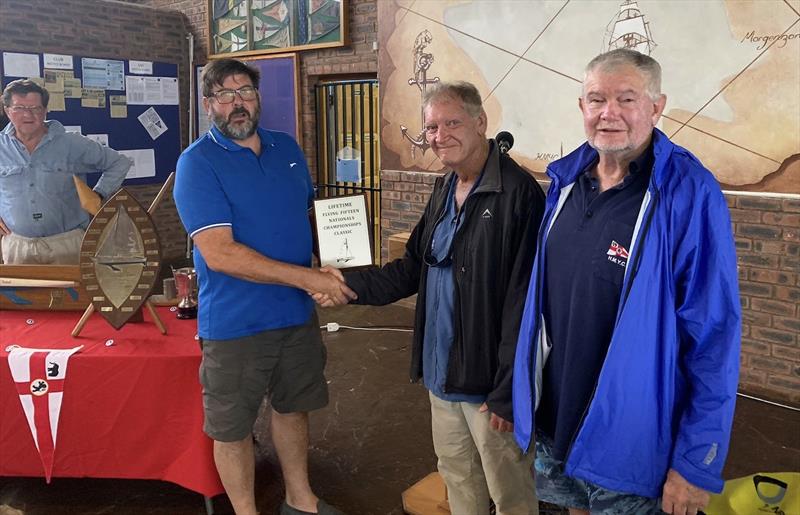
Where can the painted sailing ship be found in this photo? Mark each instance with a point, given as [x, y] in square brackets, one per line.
[629, 29]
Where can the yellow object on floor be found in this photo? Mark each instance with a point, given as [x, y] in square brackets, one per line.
[774, 492]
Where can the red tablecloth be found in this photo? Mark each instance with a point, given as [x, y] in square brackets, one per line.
[131, 410]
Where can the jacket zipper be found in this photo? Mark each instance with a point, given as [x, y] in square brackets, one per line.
[539, 270]
[645, 228]
[458, 274]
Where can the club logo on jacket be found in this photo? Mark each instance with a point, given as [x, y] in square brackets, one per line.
[617, 254]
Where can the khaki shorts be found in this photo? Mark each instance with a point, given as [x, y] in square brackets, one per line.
[286, 364]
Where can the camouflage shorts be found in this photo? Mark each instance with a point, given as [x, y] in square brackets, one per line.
[554, 487]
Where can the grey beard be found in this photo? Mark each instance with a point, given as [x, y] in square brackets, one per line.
[241, 132]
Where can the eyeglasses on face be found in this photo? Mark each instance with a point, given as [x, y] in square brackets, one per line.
[226, 96]
[34, 110]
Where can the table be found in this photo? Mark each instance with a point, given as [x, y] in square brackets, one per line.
[132, 410]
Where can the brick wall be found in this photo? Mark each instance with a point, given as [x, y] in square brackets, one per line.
[113, 30]
[194, 12]
[403, 199]
[356, 59]
[768, 246]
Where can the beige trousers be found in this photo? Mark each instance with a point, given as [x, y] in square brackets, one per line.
[478, 463]
[59, 249]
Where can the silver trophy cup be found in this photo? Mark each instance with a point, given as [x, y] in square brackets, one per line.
[186, 284]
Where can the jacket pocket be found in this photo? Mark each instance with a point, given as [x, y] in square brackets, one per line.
[55, 177]
[10, 170]
[12, 181]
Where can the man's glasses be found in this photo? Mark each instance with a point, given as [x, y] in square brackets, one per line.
[34, 110]
[429, 259]
[226, 96]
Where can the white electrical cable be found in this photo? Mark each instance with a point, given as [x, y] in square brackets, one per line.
[765, 401]
[332, 327]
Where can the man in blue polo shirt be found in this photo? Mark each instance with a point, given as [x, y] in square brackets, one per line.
[629, 342]
[243, 193]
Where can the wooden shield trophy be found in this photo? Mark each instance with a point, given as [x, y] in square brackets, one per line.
[120, 261]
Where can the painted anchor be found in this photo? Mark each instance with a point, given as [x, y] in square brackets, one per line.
[422, 62]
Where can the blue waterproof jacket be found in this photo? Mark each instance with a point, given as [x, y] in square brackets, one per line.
[666, 392]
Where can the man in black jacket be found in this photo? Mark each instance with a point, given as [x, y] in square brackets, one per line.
[469, 258]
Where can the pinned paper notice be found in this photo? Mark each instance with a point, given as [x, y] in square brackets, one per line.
[21, 65]
[54, 80]
[153, 123]
[103, 73]
[58, 61]
[72, 88]
[169, 91]
[119, 107]
[151, 90]
[141, 67]
[144, 163]
[56, 102]
[73, 128]
[91, 97]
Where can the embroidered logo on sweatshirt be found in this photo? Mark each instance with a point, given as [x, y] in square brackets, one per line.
[617, 254]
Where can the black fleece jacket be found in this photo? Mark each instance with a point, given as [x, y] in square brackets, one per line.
[492, 259]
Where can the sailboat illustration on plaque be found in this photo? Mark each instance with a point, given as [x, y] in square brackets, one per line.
[344, 253]
[120, 258]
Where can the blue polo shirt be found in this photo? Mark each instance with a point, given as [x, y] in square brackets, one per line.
[586, 253]
[264, 200]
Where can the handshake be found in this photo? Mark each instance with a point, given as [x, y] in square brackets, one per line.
[329, 289]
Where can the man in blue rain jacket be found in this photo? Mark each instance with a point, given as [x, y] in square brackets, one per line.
[629, 342]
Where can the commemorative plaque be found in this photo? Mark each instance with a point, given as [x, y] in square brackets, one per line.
[343, 232]
[120, 258]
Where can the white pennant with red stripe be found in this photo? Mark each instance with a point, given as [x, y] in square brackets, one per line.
[39, 376]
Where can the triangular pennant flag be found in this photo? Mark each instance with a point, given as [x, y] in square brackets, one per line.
[39, 376]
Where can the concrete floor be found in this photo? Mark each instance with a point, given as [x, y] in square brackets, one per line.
[371, 443]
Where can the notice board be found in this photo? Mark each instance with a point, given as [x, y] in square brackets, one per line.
[131, 106]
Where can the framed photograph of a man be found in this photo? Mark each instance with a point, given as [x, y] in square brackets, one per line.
[254, 27]
[342, 231]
